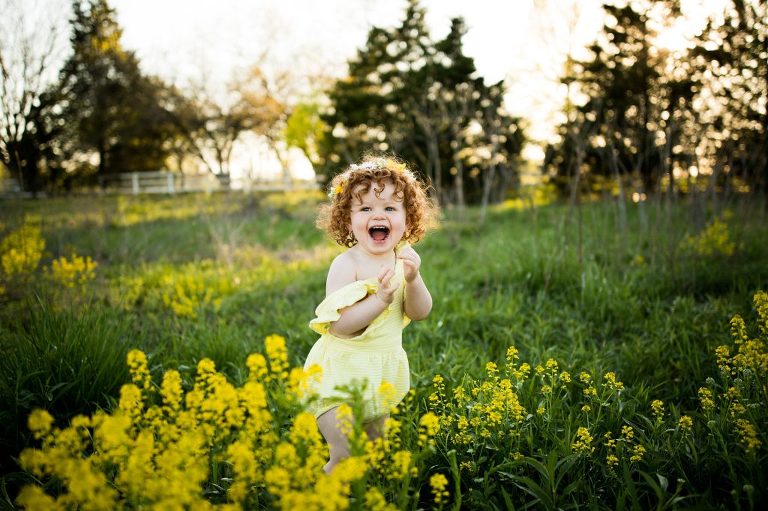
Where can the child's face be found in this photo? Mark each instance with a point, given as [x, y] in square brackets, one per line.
[378, 223]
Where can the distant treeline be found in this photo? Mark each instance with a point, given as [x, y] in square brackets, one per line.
[638, 118]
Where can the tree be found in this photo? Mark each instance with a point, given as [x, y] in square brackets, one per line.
[267, 97]
[733, 67]
[305, 130]
[421, 99]
[637, 101]
[31, 49]
[109, 107]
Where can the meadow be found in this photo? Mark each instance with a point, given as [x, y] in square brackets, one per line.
[575, 357]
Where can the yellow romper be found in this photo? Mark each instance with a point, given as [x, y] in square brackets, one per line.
[371, 358]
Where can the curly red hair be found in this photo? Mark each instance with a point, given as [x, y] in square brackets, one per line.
[357, 179]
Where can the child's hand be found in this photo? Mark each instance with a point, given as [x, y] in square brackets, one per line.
[411, 262]
[387, 288]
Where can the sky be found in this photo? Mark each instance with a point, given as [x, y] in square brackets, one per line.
[515, 40]
[520, 41]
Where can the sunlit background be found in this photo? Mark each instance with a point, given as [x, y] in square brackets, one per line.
[524, 42]
[203, 47]
[598, 335]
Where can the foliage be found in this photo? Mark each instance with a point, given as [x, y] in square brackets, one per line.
[108, 106]
[652, 119]
[714, 239]
[304, 129]
[31, 44]
[730, 57]
[638, 304]
[553, 434]
[21, 251]
[76, 271]
[64, 361]
[558, 435]
[162, 444]
[424, 101]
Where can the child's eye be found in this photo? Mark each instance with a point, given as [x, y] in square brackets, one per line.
[390, 208]
[365, 208]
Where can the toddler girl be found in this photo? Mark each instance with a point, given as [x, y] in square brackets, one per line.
[374, 289]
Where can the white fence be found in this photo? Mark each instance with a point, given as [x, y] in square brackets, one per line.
[9, 187]
[162, 181]
[168, 182]
[159, 182]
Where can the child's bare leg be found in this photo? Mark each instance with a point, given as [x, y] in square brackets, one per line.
[336, 439]
[375, 428]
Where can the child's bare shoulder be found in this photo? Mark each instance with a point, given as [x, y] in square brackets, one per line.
[343, 271]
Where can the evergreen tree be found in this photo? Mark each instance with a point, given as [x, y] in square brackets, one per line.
[109, 107]
[732, 61]
[636, 105]
[422, 100]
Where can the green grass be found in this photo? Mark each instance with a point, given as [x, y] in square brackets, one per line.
[553, 281]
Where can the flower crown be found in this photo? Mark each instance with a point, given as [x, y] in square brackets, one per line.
[379, 163]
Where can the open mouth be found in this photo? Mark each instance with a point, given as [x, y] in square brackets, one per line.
[379, 233]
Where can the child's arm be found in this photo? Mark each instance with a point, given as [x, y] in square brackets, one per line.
[355, 318]
[418, 301]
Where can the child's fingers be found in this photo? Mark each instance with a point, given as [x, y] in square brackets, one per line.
[408, 252]
[385, 275]
[410, 256]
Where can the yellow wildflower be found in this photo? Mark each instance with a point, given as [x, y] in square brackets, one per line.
[438, 484]
[386, 392]
[736, 409]
[714, 239]
[428, 427]
[21, 250]
[344, 418]
[551, 364]
[277, 355]
[76, 271]
[257, 367]
[131, 402]
[612, 383]
[401, 465]
[738, 329]
[34, 497]
[637, 453]
[747, 435]
[657, 406]
[138, 367]
[40, 422]
[705, 398]
[583, 442]
[685, 423]
[522, 372]
[375, 501]
[723, 354]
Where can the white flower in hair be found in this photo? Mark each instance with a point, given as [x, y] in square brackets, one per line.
[369, 165]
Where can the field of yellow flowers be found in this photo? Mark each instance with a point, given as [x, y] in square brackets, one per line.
[153, 348]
